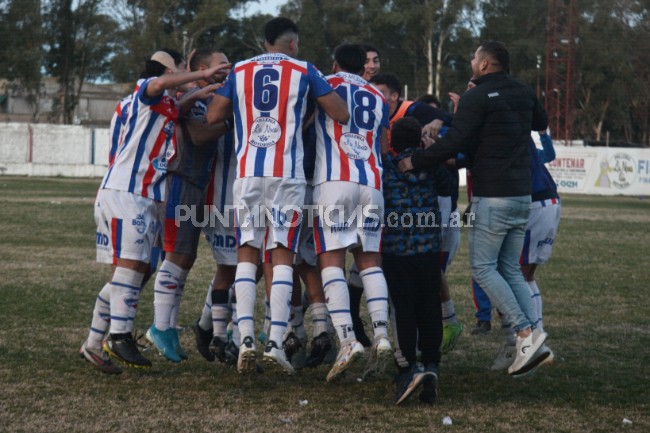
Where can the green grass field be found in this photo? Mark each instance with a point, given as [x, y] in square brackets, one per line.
[596, 312]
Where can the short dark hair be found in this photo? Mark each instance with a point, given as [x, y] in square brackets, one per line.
[389, 80]
[201, 57]
[350, 57]
[370, 47]
[428, 99]
[405, 133]
[278, 27]
[498, 52]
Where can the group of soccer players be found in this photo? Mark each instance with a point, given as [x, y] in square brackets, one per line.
[291, 163]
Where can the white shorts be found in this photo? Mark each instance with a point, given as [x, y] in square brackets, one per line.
[127, 226]
[220, 234]
[271, 202]
[540, 232]
[306, 246]
[349, 215]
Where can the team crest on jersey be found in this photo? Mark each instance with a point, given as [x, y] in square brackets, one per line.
[355, 146]
[265, 132]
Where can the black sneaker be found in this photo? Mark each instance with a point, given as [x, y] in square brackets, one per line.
[124, 348]
[218, 349]
[320, 346]
[430, 385]
[203, 340]
[292, 345]
[408, 382]
[360, 332]
[232, 354]
[482, 327]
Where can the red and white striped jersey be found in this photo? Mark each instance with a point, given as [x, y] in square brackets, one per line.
[148, 140]
[352, 152]
[220, 188]
[269, 98]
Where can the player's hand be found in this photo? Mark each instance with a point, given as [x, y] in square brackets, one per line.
[217, 73]
[427, 140]
[405, 165]
[432, 128]
[206, 91]
[455, 97]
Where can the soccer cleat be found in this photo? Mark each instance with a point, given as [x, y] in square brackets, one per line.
[408, 382]
[527, 357]
[429, 384]
[330, 356]
[218, 349]
[99, 359]
[450, 335]
[247, 357]
[276, 357]
[164, 342]
[482, 327]
[203, 339]
[124, 348]
[380, 356]
[232, 354]
[296, 351]
[176, 342]
[347, 357]
[505, 358]
[262, 337]
[320, 346]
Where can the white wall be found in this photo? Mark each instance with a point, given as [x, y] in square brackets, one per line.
[56, 150]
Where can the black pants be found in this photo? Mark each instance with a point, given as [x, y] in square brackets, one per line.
[414, 288]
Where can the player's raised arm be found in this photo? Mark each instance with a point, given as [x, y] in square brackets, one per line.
[158, 85]
[334, 106]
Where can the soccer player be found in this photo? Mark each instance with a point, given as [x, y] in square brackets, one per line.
[267, 95]
[348, 177]
[372, 66]
[126, 208]
[188, 175]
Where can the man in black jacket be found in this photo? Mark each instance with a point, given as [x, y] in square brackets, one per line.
[492, 127]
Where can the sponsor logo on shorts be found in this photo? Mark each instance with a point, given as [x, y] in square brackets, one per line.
[547, 241]
[101, 239]
[221, 242]
[159, 164]
[139, 224]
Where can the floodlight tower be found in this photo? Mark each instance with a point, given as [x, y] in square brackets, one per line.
[561, 39]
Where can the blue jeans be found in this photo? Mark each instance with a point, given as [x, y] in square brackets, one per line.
[496, 239]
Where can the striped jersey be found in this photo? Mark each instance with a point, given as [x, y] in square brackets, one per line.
[352, 152]
[148, 141]
[220, 189]
[193, 162]
[269, 98]
[118, 121]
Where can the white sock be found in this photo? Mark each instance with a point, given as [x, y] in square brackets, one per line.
[536, 297]
[176, 308]
[169, 280]
[101, 318]
[220, 313]
[318, 318]
[338, 303]
[126, 286]
[245, 289]
[449, 313]
[205, 322]
[281, 289]
[376, 291]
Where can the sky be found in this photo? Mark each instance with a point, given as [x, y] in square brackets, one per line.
[271, 7]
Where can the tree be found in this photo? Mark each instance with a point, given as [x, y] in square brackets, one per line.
[79, 43]
[21, 60]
